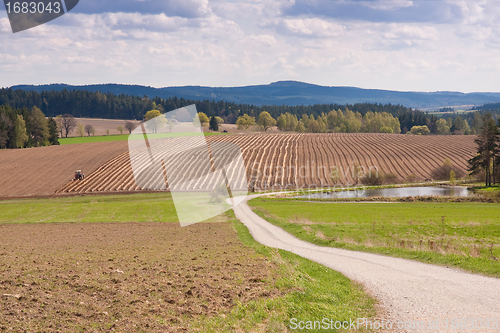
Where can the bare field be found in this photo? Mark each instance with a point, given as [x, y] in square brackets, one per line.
[101, 125]
[306, 160]
[41, 171]
[127, 277]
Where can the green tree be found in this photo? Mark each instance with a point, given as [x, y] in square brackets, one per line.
[152, 114]
[420, 130]
[20, 132]
[219, 120]
[213, 125]
[477, 122]
[120, 129]
[386, 129]
[53, 132]
[313, 126]
[80, 129]
[486, 158]
[38, 127]
[281, 122]
[442, 127]
[203, 118]
[305, 120]
[291, 122]
[245, 121]
[300, 127]
[266, 121]
[6, 130]
[452, 177]
[460, 126]
[155, 120]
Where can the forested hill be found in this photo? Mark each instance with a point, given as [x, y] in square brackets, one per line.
[287, 93]
[82, 103]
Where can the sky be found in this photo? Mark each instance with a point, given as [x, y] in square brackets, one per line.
[420, 45]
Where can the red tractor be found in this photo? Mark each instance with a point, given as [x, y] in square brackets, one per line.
[79, 175]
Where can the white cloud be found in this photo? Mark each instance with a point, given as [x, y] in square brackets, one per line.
[308, 27]
[386, 4]
[259, 41]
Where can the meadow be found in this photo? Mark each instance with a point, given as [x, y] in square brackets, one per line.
[464, 235]
[122, 137]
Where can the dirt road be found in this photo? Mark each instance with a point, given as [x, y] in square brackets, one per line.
[415, 296]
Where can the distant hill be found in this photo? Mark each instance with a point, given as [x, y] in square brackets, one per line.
[289, 93]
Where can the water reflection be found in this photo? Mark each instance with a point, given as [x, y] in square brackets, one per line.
[394, 193]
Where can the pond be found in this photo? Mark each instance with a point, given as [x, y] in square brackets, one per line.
[395, 193]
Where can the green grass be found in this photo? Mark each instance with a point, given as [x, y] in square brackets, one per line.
[124, 137]
[311, 292]
[463, 235]
[489, 192]
[157, 207]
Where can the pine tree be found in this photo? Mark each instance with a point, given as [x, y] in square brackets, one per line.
[214, 126]
[487, 150]
[53, 132]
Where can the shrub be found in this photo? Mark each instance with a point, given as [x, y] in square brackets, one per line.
[412, 178]
[443, 172]
[373, 178]
[391, 178]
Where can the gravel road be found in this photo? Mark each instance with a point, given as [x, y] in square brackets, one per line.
[415, 297]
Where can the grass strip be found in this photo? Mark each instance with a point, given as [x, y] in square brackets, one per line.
[461, 235]
[124, 137]
[150, 207]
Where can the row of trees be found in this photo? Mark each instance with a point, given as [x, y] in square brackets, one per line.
[24, 128]
[332, 122]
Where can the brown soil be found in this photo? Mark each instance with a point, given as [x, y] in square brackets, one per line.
[41, 171]
[126, 277]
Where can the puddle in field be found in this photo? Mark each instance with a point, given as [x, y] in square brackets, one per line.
[394, 193]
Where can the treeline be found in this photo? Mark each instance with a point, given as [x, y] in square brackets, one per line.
[340, 122]
[81, 103]
[489, 106]
[25, 128]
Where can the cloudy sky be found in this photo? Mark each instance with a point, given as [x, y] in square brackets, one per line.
[419, 45]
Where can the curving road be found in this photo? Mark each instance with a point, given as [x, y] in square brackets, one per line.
[417, 297]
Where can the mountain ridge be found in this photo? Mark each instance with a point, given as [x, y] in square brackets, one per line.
[288, 93]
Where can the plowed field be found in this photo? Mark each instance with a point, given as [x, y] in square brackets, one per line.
[305, 160]
[42, 171]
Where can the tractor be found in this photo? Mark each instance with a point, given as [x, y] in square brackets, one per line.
[79, 175]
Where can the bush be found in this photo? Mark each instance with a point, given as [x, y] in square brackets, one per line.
[420, 130]
[443, 172]
[373, 178]
[391, 178]
[412, 178]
